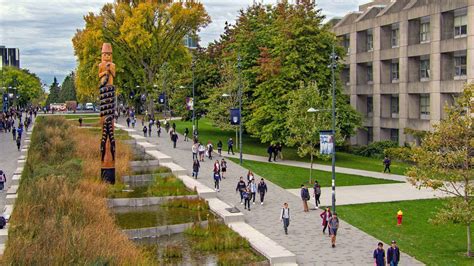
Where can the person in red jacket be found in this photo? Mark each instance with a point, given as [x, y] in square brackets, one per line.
[325, 215]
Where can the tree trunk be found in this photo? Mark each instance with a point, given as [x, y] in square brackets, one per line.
[469, 251]
[311, 170]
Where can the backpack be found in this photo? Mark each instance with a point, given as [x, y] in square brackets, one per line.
[3, 222]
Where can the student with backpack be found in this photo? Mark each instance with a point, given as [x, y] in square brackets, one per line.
[305, 197]
[317, 194]
[223, 167]
[217, 179]
[240, 188]
[196, 166]
[285, 217]
[219, 148]
[3, 179]
[247, 196]
[18, 143]
[145, 130]
[262, 189]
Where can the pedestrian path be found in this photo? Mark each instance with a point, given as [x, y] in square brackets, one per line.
[327, 168]
[305, 238]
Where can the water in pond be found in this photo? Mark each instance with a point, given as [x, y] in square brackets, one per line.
[151, 216]
[177, 249]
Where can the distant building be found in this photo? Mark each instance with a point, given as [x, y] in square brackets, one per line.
[9, 56]
[405, 60]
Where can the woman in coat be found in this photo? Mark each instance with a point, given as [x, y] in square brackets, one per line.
[325, 215]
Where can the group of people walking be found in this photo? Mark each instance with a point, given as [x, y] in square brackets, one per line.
[248, 191]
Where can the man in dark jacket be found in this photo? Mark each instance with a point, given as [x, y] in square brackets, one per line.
[317, 193]
[393, 254]
[174, 138]
[305, 197]
[379, 255]
[240, 188]
[387, 162]
[262, 189]
[270, 150]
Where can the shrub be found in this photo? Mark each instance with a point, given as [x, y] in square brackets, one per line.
[375, 149]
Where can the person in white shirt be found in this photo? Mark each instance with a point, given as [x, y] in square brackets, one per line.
[285, 217]
[253, 189]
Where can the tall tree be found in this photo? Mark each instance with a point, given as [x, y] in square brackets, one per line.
[444, 162]
[68, 89]
[54, 91]
[145, 35]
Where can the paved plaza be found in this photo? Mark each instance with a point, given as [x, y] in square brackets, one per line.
[305, 238]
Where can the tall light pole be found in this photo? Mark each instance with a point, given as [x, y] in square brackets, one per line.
[193, 65]
[239, 67]
[334, 59]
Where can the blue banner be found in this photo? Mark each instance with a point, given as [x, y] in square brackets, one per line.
[234, 116]
[326, 140]
[162, 98]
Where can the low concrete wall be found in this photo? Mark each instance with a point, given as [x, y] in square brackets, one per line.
[142, 180]
[139, 202]
[159, 231]
[142, 166]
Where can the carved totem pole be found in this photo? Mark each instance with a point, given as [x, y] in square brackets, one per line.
[107, 112]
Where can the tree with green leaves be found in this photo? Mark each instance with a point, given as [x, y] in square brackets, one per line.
[145, 36]
[26, 85]
[68, 89]
[444, 162]
[54, 91]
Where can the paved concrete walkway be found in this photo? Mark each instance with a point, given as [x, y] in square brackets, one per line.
[305, 238]
[9, 159]
[322, 167]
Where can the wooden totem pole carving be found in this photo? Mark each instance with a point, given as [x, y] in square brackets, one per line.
[107, 112]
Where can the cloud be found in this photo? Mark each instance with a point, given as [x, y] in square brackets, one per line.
[43, 29]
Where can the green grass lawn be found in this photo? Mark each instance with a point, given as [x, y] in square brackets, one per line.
[433, 245]
[253, 146]
[292, 177]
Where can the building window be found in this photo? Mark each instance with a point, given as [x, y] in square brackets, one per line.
[346, 43]
[424, 32]
[424, 106]
[394, 134]
[370, 106]
[394, 71]
[424, 69]
[370, 74]
[394, 106]
[460, 25]
[460, 65]
[395, 35]
[370, 40]
[370, 134]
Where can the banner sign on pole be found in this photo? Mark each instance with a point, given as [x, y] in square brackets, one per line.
[326, 140]
[189, 103]
[234, 116]
[162, 98]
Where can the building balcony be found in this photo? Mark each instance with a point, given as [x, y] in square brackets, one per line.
[368, 121]
[419, 87]
[386, 122]
[418, 49]
[390, 53]
[365, 57]
[453, 44]
[366, 89]
[389, 88]
[452, 86]
[418, 124]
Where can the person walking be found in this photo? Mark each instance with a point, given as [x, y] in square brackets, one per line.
[217, 179]
[223, 167]
[14, 132]
[159, 131]
[275, 152]
[253, 190]
[250, 176]
[240, 188]
[317, 193]
[305, 197]
[150, 126]
[210, 148]
[246, 195]
[174, 138]
[3, 179]
[262, 189]
[325, 216]
[280, 151]
[134, 121]
[186, 133]
[285, 217]
[219, 148]
[196, 166]
[393, 254]
[145, 130]
[333, 225]
[270, 152]
[18, 143]
[217, 167]
[174, 126]
[387, 162]
[194, 150]
[230, 146]
[19, 131]
[128, 121]
[201, 151]
[379, 255]
[80, 121]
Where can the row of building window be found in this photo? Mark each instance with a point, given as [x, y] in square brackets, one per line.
[393, 134]
[459, 28]
[424, 102]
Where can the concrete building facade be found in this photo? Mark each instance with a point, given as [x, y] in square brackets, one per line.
[405, 60]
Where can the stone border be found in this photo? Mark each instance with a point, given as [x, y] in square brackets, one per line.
[140, 202]
[158, 231]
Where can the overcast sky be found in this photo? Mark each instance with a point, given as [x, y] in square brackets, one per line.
[43, 29]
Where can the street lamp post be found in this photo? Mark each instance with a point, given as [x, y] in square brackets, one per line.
[193, 65]
[334, 58]
[239, 67]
